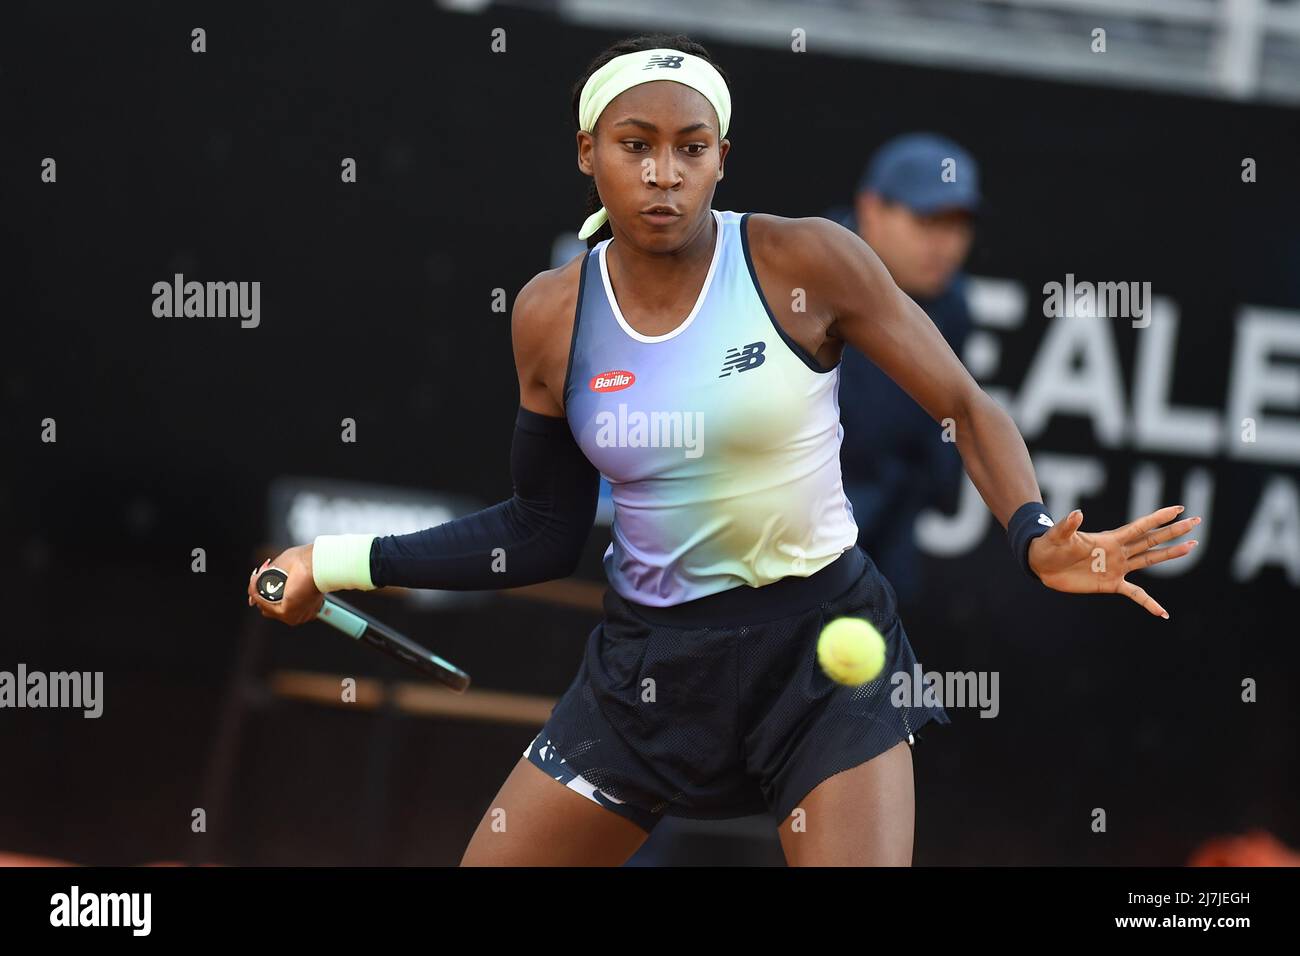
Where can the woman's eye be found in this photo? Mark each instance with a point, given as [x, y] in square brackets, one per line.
[694, 149]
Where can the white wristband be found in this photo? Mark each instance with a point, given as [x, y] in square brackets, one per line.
[341, 562]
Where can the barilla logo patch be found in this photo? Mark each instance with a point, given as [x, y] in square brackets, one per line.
[612, 381]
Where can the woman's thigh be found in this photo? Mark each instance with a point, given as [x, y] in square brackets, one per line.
[535, 820]
[863, 816]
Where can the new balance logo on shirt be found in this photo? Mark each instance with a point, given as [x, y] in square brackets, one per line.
[743, 359]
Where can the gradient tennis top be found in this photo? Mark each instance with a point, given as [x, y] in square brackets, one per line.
[720, 439]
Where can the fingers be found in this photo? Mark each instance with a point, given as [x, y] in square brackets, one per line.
[1156, 555]
[1067, 526]
[1160, 535]
[1131, 590]
[1135, 529]
[253, 597]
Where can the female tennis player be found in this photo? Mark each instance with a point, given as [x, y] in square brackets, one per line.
[691, 356]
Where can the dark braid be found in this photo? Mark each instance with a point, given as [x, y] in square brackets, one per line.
[642, 41]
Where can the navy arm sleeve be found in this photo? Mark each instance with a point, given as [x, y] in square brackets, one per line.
[540, 530]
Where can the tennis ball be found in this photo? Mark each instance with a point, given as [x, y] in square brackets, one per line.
[850, 650]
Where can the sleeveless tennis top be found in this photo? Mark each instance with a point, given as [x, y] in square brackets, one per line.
[720, 439]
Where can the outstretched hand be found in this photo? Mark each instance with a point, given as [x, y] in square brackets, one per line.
[1081, 562]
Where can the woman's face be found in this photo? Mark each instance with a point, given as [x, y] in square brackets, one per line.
[655, 144]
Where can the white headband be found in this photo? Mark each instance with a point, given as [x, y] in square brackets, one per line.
[632, 69]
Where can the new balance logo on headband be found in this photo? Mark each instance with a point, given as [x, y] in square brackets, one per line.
[742, 360]
[667, 62]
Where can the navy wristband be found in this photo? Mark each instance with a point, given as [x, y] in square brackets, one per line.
[1029, 521]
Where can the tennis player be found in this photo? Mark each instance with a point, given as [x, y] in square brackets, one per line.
[692, 357]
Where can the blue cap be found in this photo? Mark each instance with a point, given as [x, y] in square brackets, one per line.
[911, 169]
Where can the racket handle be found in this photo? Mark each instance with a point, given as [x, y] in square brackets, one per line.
[270, 584]
[362, 627]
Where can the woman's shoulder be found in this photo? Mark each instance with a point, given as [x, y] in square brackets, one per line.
[541, 328]
[548, 300]
[782, 246]
[784, 234]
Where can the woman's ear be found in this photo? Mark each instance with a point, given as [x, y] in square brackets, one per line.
[585, 146]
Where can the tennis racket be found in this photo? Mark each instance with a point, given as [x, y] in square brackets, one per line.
[359, 625]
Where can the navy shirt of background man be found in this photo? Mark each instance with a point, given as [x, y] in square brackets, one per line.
[915, 207]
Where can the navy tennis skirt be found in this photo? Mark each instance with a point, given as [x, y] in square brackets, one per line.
[718, 708]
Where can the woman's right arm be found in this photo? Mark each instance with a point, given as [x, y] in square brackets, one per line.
[538, 534]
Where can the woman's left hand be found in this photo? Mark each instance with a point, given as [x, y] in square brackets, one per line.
[1080, 562]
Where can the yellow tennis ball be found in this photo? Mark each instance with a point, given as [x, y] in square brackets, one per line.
[850, 650]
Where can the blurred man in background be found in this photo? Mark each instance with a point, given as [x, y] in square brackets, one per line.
[915, 206]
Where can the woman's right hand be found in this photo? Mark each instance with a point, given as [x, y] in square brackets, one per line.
[301, 601]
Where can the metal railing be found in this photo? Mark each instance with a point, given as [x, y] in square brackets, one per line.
[1237, 49]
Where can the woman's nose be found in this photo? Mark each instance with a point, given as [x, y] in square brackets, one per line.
[661, 169]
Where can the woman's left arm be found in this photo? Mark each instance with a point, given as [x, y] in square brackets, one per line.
[870, 313]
